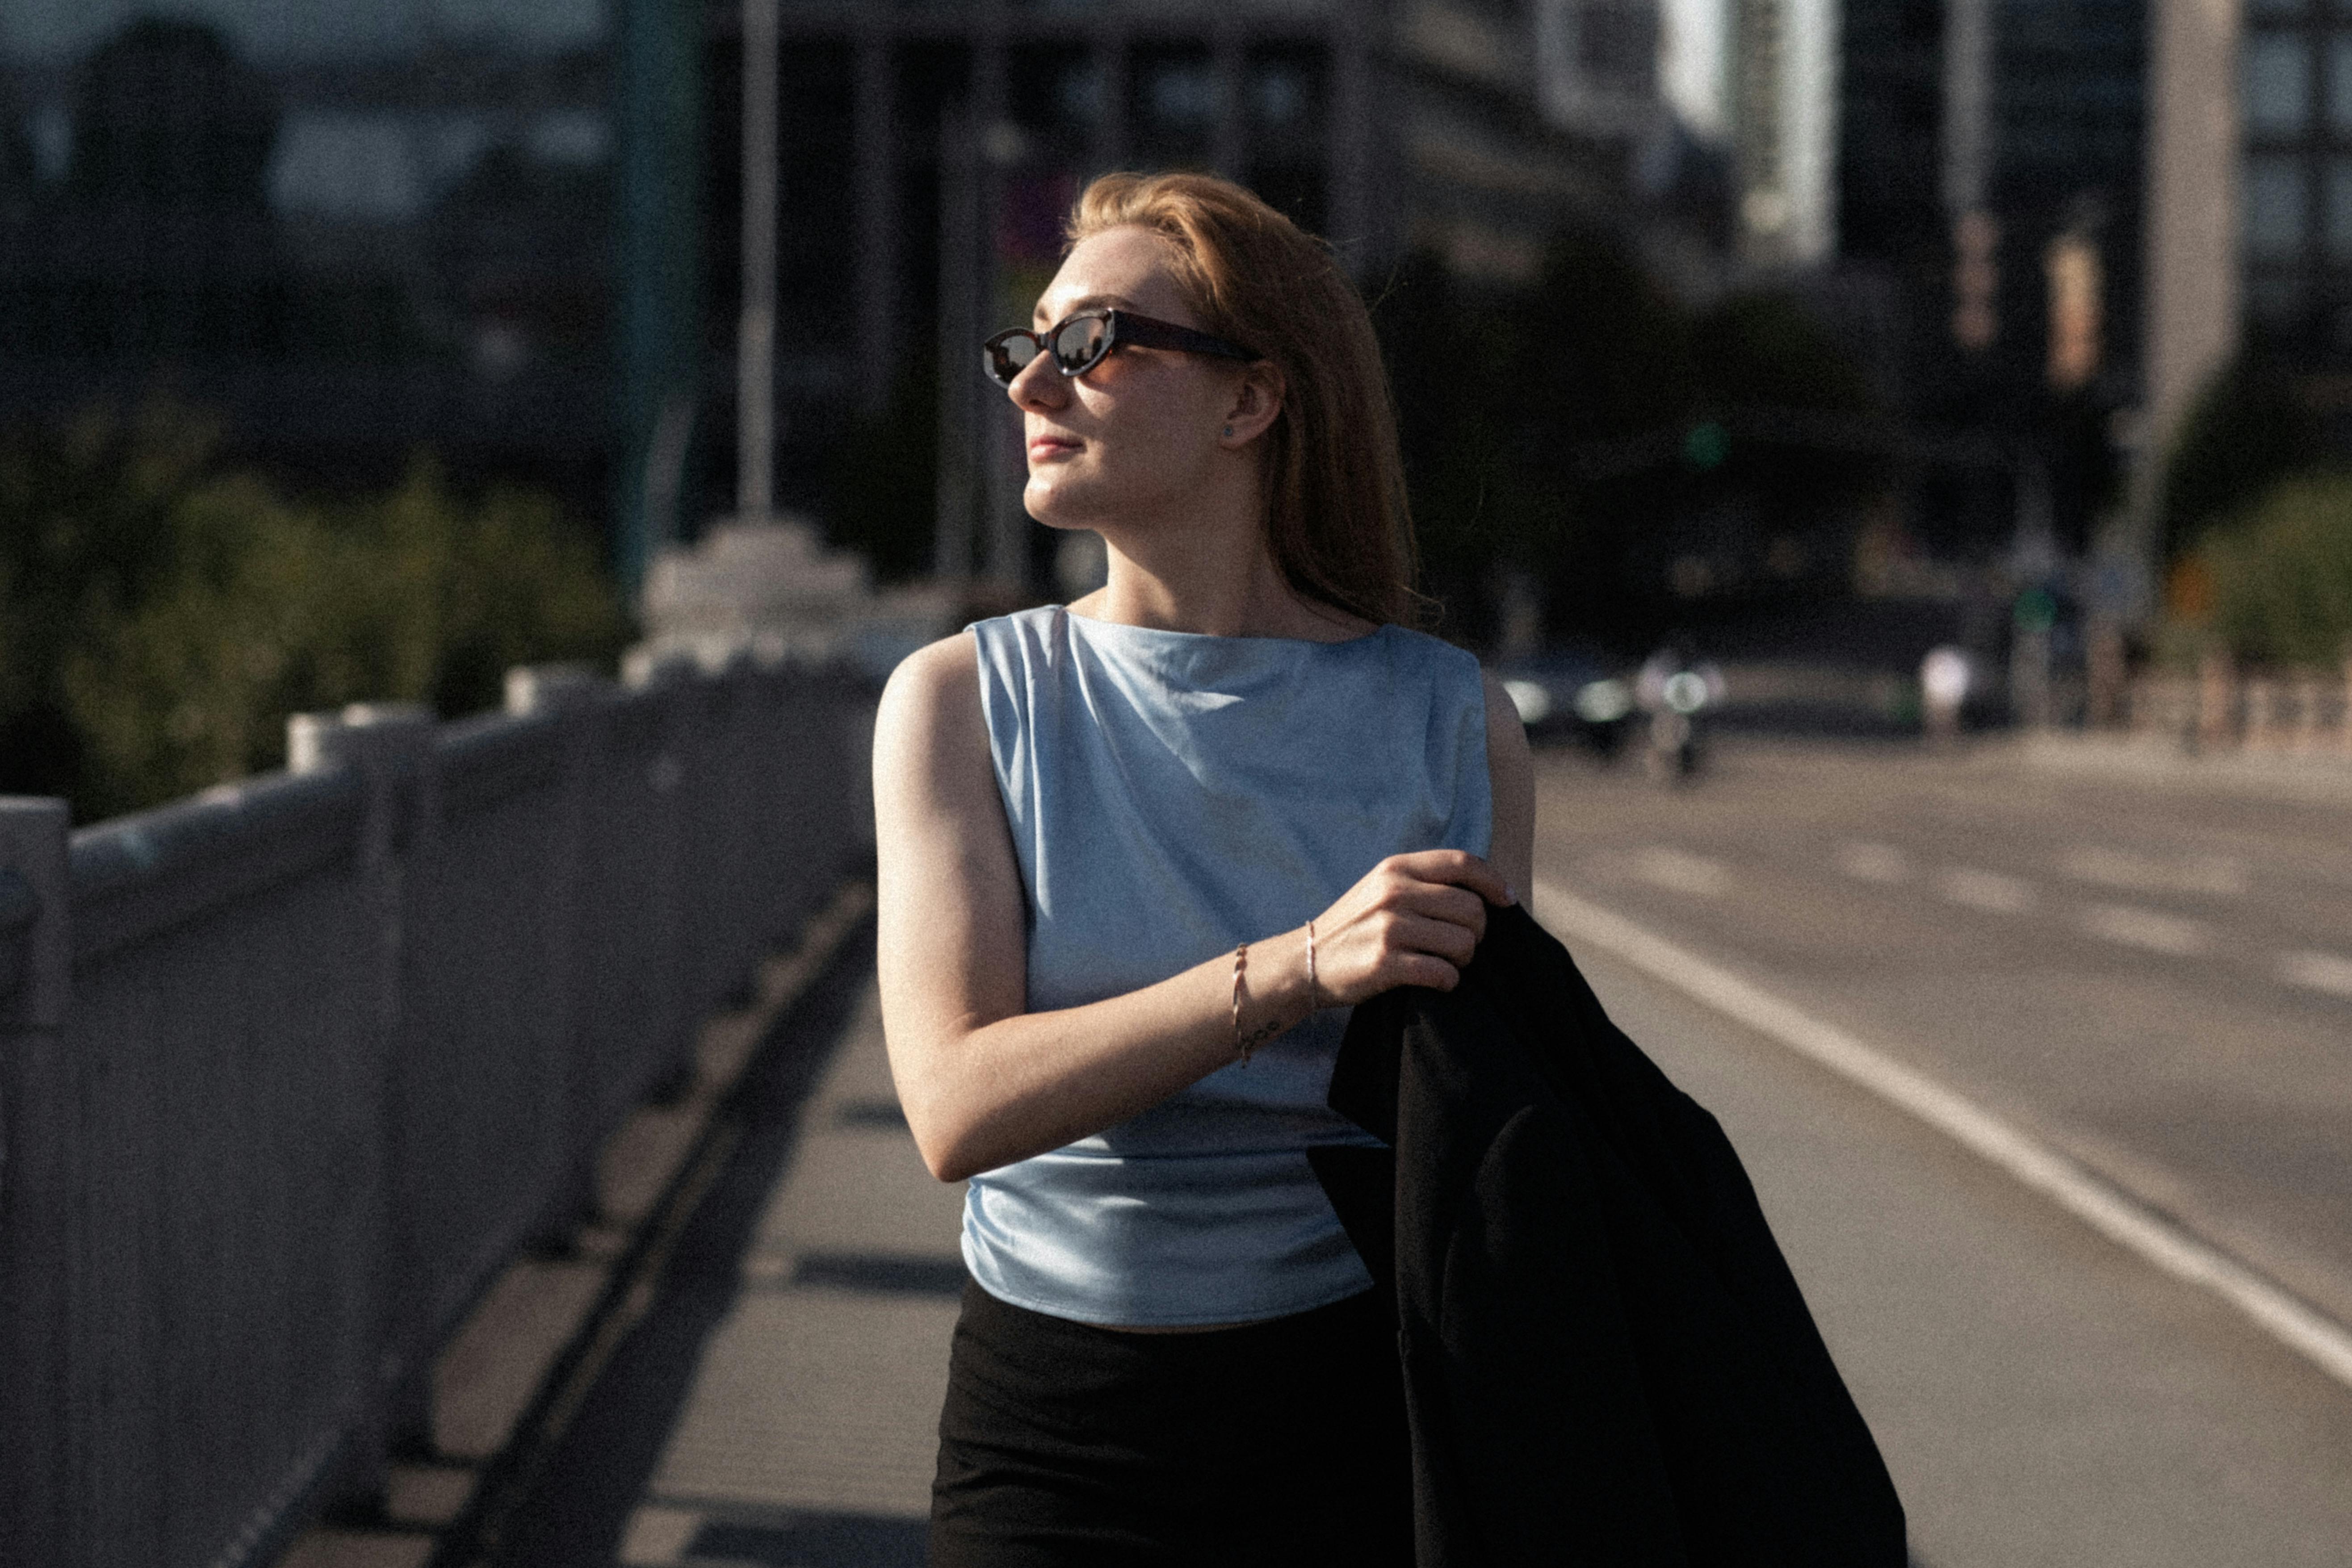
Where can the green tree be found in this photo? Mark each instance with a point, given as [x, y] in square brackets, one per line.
[87, 536]
[2245, 431]
[158, 620]
[2282, 573]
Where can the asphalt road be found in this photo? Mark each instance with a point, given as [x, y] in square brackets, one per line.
[2154, 981]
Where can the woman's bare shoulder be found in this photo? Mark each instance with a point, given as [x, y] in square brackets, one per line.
[938, 682]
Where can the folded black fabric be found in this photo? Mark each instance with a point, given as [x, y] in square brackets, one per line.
[1606, 1357]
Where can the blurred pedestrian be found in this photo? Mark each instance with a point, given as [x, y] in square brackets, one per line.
[1674, 686]
[1945, 678]
[1138, 857]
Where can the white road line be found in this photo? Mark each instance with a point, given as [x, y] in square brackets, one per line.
[2168, 934]
[1680, 871]
[2318, 971]
[2222, 875]
[1874, 863]
[2113, 1214]
[1986, 890]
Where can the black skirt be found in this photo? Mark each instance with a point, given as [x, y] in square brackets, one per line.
[1283, 1442]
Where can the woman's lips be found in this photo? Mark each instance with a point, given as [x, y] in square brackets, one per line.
[1044, 446]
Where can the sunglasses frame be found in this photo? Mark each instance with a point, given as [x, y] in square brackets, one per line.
[1119, 327]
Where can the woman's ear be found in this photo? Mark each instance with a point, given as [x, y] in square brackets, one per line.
[1257, 400]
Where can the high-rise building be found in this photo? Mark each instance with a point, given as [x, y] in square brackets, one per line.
[1978, 134]
[2250, 235]
[1757, 80]
[355, 230]
[943, 143]
[1991, 175]
[507, 230]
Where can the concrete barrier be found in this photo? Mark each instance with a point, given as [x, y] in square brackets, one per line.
[289, 1069]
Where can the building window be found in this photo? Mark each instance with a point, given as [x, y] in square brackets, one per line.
[2335, 212]
[2274, 84]
[2275, 215]
[2339, 84]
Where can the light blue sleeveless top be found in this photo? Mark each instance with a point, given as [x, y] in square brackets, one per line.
[1171, 795]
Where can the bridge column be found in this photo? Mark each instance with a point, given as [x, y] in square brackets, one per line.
[389, 746]
[40, 1186]
[572, 695]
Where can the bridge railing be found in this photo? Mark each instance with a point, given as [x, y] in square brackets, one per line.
[289, 1069]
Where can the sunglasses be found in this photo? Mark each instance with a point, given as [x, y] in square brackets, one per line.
[1079, 342]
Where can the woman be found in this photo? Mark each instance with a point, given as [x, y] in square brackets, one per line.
[1138, 857]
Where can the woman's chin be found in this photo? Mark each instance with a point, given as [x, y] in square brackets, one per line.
[1054, 506]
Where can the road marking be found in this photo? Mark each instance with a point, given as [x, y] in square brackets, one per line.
[2168, 934]
[1875, 863]
[2218, 874]
[1680, 871]
[658, 1536]
[2105, 1209]
[2318, 972]
[1986, 890]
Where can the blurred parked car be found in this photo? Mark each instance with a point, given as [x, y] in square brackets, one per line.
[1572, 694]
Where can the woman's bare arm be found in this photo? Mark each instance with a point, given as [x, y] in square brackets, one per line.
[1511, 770]
[983, 1081]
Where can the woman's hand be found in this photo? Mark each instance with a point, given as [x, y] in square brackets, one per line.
[1414, 920]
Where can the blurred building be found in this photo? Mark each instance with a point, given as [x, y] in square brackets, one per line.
[1991, 171]
[932, 150]
[2250, 241]
[355, 230]
[505, 230]
[1759, 80]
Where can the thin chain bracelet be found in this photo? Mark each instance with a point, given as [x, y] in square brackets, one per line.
[1314, 997]
[1240, 963]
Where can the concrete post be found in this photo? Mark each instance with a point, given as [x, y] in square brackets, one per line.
[959, 347]
[755, 339]
[2310, 695]
[2106, 675]
[389, 746]
[673, 678]
[2343, 711]
[2261, 714]
[878, 220]
[2190, 321]
[1109, 145]
[1349, 222]
[569, 694]
[1229, 150]
[2217, 692]
[40, 1185]
[1003, 470]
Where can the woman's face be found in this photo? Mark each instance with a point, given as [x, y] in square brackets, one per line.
[1135, 434]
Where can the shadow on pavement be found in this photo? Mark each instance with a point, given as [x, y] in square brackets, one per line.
[576, 1496]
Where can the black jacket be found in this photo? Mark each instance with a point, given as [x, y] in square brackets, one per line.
[1607, 1361]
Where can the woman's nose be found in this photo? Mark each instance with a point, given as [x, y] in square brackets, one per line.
[1039, 384]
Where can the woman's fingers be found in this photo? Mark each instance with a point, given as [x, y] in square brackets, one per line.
[1458, 868]
[1456, 906]
[1419, 933]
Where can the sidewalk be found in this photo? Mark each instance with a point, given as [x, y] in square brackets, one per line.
[777, 1402]
[2318, 779]
[810, 1432]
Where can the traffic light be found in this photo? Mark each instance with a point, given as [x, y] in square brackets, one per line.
[1706, 444]
[2075, 313]
[1976, 280]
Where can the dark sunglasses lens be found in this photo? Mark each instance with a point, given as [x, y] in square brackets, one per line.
[1008, 355]
[1078, 344]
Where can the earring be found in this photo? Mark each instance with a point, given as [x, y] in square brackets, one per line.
[1229, 429]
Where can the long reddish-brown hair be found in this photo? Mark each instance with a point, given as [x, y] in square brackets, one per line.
[1336, 515]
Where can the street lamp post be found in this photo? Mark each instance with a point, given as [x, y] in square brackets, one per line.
[755, 334]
